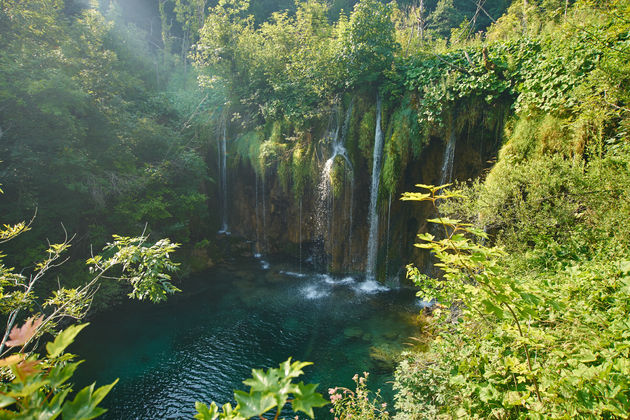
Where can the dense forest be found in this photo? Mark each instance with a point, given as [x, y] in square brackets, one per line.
[475, 151]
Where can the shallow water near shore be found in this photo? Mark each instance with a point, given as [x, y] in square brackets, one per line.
[201, 345]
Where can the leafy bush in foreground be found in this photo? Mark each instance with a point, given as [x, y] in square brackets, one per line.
[514, 343]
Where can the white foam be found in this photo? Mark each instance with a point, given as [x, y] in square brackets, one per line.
[293, 274]
[346, 280]
[313, 292]
[257, 255]
[370, 287]
[265, 265]
[327, 279]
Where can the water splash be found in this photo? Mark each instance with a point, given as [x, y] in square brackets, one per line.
[324, 285]
[373, 215]
[370, 286]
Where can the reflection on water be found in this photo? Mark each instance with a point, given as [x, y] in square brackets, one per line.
[203, 344]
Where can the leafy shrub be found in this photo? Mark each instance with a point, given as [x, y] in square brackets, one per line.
[515, 342]
[357, 404]
[40, 387]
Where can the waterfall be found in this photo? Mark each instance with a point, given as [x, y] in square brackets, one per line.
[343, 152]
[300, 235]
[350, 262]
[389, 211]
[222, 149]
[257, 216]
[446, 175]
[326, 201]
[264, 213]
[372, 247]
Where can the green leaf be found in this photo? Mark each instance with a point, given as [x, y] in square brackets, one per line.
[586, 356]
[492, 308]
[261, 381]
[5, 400]
[84, 405]
[255, 403]
[305, 399]
[206, 413]
[63, 340]
[230, 413]
[444, 221]
[293, 370]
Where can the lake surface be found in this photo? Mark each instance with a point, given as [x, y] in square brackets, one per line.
[247, 314]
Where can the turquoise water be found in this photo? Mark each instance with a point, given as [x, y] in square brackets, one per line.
[201, 345]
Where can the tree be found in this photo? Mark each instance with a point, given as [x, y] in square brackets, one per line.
[444, 18]
[368, 43]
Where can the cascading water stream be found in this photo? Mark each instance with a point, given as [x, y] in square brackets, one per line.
[222, 159]
[372, 247]
[344, 154]
[257, 217]
[389, 211]
[264, 213]
[325, 211]
[300, 235]
[446, 174]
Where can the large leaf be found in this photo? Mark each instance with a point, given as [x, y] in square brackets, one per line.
[206, 413]
[21, 335]
[292, 370]
[255, 403]
[263, 381]
[63, 340]
[305, 399]
[84, 405]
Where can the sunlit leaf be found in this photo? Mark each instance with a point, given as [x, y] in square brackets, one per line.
[21, 335]
[306, 399]
[255, 403]
[63, 340]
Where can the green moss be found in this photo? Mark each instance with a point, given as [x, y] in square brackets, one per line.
[391, 173]
[247, 148]
[302, 164]
[366, 133]
[552, 136]
[338, 176]
[522, 139]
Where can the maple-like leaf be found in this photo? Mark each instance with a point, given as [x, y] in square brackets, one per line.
[21, 335]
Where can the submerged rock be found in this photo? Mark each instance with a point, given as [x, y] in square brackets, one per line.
[353, 332]
[385, 356]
